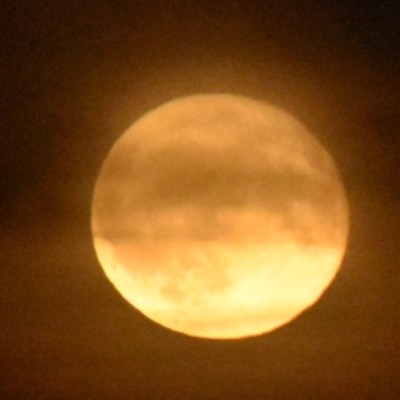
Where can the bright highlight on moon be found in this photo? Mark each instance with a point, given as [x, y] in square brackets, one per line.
[218, 216]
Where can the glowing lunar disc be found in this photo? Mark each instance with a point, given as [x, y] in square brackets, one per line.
[219, 216]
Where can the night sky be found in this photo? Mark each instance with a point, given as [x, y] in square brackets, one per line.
[74, 76]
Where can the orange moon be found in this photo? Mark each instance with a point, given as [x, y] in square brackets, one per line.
[219, 216]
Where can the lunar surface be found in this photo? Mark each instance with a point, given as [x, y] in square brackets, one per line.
[219, 216]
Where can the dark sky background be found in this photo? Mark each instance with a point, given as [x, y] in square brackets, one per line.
[74, 76]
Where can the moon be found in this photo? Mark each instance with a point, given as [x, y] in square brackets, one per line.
[219, 216]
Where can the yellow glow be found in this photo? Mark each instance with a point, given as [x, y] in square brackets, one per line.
[219, 216]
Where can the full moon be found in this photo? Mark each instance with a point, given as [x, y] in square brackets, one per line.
[219, 216]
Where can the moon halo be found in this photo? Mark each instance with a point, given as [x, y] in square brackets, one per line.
[219, 216]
